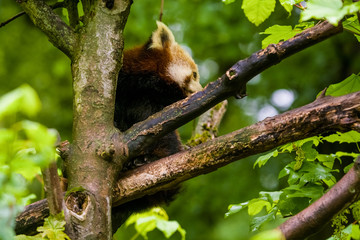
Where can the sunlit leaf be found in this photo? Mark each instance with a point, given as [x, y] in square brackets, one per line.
[257, 11]
[155, 218]
[24, 99]
[256, 205]
[274, 234]
[53, 228]
[262, 160]
[278, 33]
[235, 208]
[331, 10]
[348, 137]
[349, 85]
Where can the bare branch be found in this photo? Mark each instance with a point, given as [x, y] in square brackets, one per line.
[53, 189]
[42, 15]
[208, 124]
[233, 83]
[311, 219]
[56, 5]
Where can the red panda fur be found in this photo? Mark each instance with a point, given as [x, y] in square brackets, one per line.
[152, 77]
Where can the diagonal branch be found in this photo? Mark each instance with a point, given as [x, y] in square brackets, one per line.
[233, 83]
[340, 196]
[323, 115]
[58, 32]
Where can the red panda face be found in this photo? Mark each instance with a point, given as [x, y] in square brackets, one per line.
[180, 67]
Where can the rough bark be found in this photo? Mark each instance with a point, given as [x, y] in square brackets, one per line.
[91, 167]
[232, 83]
[323, 115]
[59, 34]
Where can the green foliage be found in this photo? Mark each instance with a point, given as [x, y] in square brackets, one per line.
[331, 10]
[53, 229]
[25, 146]
[279, 33]
[257, 11]
[349, 85]
[308, 176]
[155, 218]
[274, 234]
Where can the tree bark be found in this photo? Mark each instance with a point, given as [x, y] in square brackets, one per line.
[323, 115]
[339, 197]
[91, 167]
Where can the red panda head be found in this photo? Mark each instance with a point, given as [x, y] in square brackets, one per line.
[178, 67]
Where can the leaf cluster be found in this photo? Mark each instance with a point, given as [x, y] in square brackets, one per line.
[25, 147]
[308, 175]
[155, 218]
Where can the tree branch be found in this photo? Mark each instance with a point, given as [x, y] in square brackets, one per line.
[233, 83]
[323, 115]
[339, 197]
[59, 34]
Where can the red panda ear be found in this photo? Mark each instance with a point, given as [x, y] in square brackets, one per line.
[162, 37]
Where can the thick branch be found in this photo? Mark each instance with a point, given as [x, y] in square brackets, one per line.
[325, 114]
[232, 83]
[42, 15]
[311, 219]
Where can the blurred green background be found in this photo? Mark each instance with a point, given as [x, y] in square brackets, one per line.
[217, 35]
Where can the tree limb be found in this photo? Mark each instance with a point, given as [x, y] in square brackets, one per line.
[323, 115]
[233, 83]
[42, 15]
[339, 197]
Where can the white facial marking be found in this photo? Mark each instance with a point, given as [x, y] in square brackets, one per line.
[194, 86]
[179, 72]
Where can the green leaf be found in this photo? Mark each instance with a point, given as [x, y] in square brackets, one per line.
[274, 234]
[349, 85]
[352, 25]
[257, 222]
[53, 228]
[235, 208]
[348, 137]
[24, 99]
[332, 10]
[256, 205]
[287, 4]
[355, 231]
[257, 11]
[326, 160]
[278, 33]
[262, 160]
[155, 218]
[228, 1]
[272, 197]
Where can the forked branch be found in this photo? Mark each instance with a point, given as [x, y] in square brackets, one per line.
[58, 32]
[233, 83]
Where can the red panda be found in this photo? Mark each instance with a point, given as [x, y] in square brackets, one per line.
[152, 77]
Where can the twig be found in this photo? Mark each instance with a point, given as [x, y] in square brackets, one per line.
[12, 19]
[56, 5]
[161, 10]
